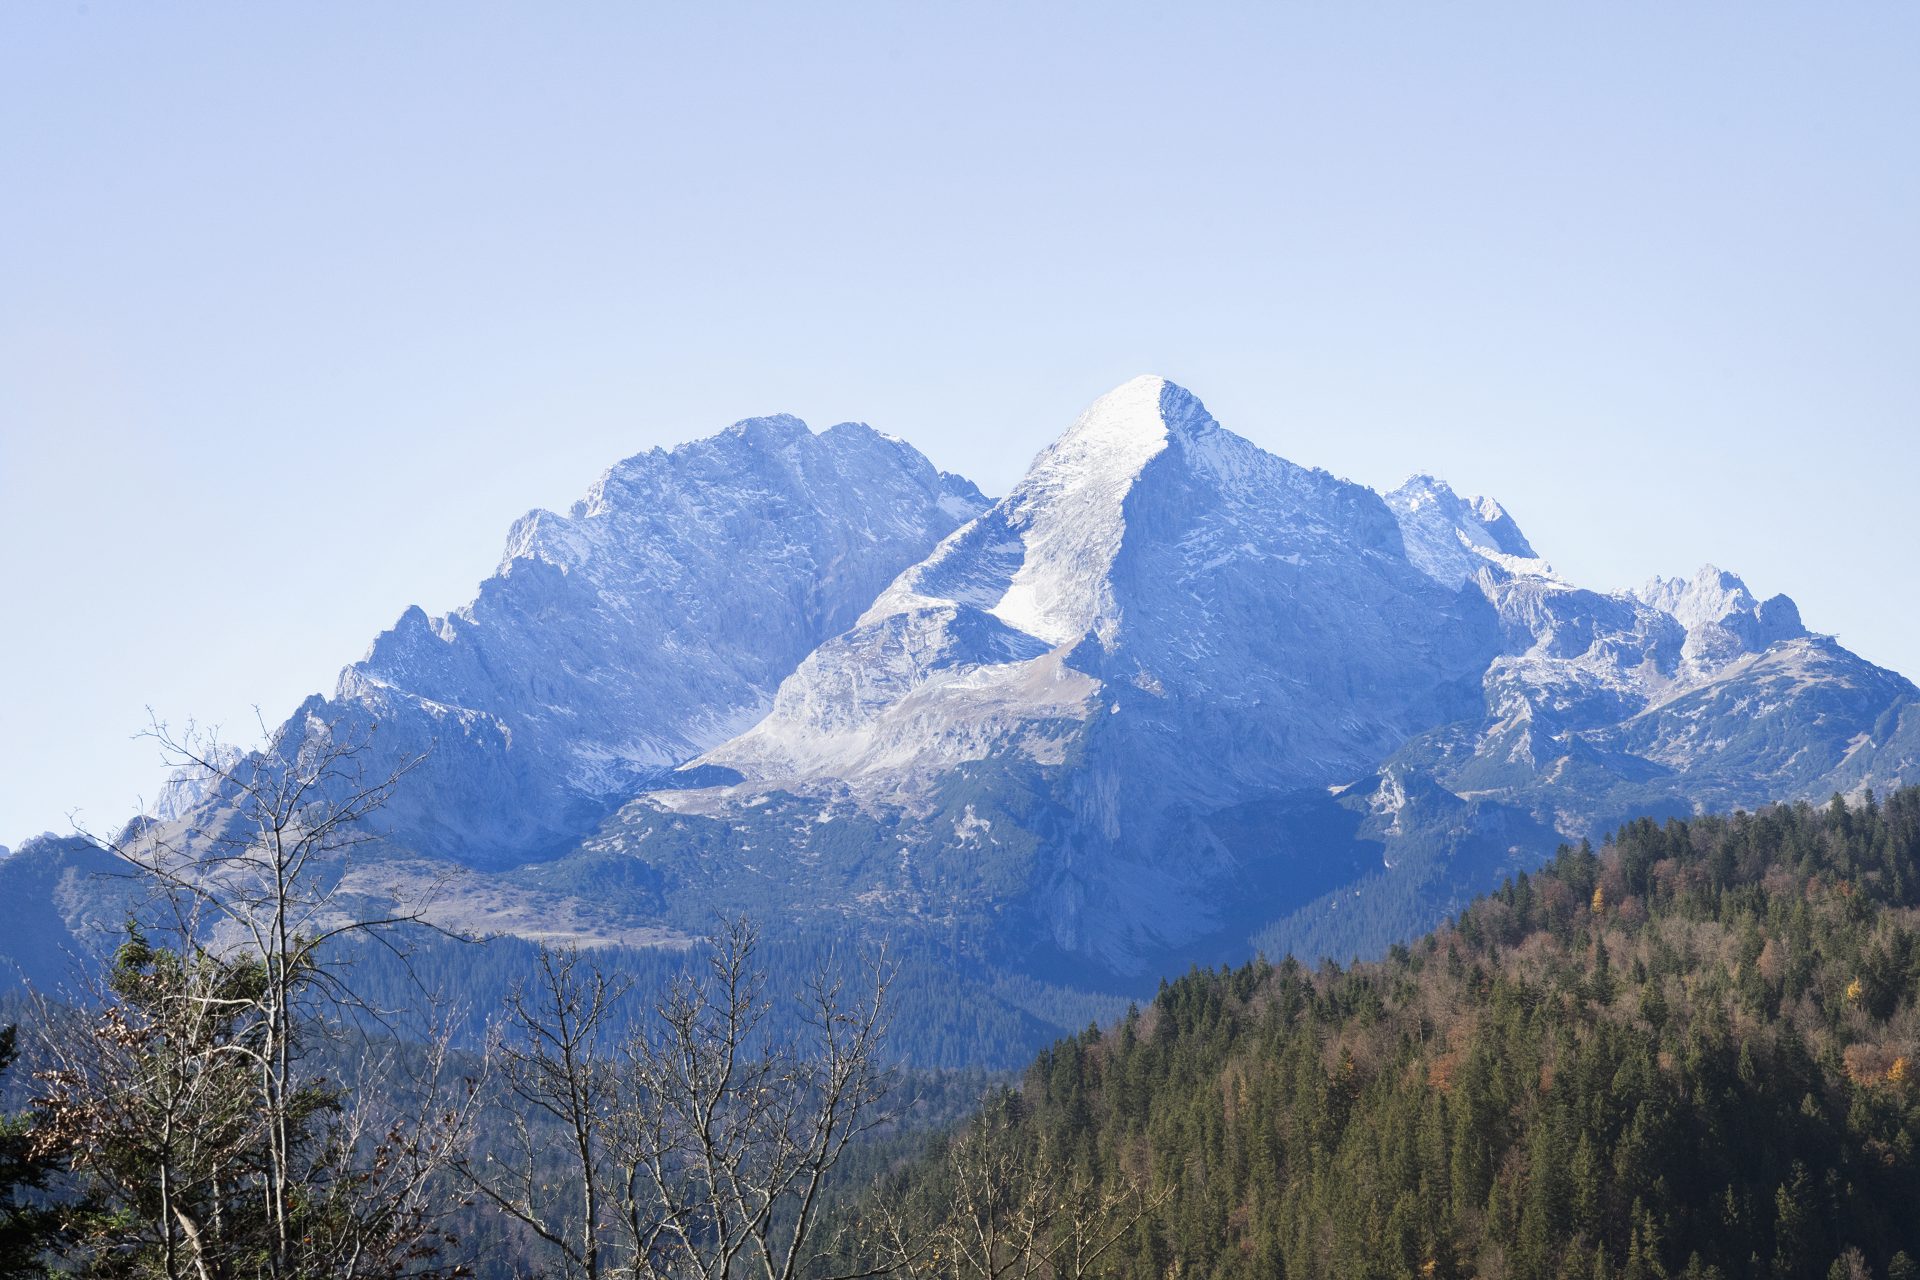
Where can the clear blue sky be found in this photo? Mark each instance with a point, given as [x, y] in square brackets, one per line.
[300, 305]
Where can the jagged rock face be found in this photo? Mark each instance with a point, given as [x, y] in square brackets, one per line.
[1138, 694]
[650, 622]
[190, 785]
[1722, 619]
[1451, 539]
[1158, 700]
[1160, 622]
[1614, 668]
[1159, 583]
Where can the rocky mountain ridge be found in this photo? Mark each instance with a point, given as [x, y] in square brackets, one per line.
[1171, 698]
[1173, 686]
[648, 623]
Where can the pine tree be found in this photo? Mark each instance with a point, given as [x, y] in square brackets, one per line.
[27, 1229]
[1467, 1106]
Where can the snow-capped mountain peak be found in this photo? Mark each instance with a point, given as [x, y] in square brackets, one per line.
[651, 620]
[777, 428]
[1169, 689]
[1159, 615]
[1040, 561]
[1069, 512]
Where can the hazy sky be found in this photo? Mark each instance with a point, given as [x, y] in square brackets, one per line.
[301, 305]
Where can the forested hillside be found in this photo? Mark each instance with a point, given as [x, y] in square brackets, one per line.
[1692, 1054]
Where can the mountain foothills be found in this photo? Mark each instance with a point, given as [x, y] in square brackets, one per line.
[1690, 1056]
[1172, 699]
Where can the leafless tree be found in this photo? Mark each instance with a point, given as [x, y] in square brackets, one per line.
[1009, 1211]
[728, 1134]
[388, 1161]
[201, 1065]
[556, 1082]
[702, 1143]
[151, 1100]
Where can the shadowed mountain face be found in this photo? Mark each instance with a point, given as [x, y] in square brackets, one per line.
[1170, 698]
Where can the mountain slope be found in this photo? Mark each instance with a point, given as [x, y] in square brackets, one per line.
[1691, 1056]
[1685, 696]
[1160, 622]
[1181, 569]
[648, 623]
[64, 902]
[1174, 692]
[1171, 699]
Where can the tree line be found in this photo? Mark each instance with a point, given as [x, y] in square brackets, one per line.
[1689, 1054]
[230, 1100]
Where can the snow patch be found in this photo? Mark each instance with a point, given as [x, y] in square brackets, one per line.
[1069, 514]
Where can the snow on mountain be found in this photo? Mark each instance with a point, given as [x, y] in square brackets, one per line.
[1722, 618]
[1139, 558]
[1129, 704]
[1068, 515]
[1451, 539]
[651, 621]
[189, 785]
[1170, 694]
[1161, 620]
[1577, 660]
[1151, 567]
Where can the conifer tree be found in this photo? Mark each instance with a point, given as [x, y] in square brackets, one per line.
[28, 1226]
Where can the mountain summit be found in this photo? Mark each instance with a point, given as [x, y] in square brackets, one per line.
[1170, 699]
[1174, 691]
[1160, 621]
[651, 621]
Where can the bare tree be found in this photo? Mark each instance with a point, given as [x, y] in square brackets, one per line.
[151, 1100]
[556, 1080]
[200, 1067]
[387, 1162]
[702, 1144]
[729, 1133]
[1007, 1211]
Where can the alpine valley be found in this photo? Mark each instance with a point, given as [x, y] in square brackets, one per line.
[1171, 701]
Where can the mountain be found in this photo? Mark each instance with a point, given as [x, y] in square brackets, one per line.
[1159, 623]
[1692, 1055]
[1174, 696]
[1683, 697]
[1151, 563]
[648, 623]
[1172, 699]
[63, 902]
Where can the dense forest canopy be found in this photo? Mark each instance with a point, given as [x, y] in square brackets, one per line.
[1692, 1054]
